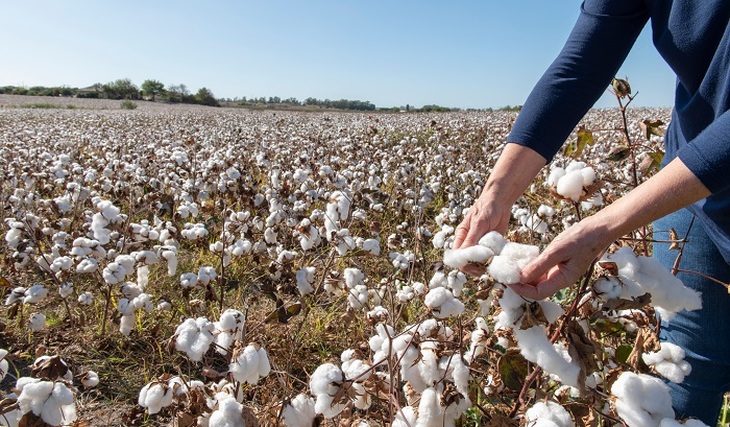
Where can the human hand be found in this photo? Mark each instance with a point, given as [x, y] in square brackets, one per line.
[483, 217]
[564, 261]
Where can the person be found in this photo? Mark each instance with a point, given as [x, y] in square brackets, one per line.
[690, 194]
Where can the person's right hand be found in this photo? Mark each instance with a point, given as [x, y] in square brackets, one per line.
[484, 216]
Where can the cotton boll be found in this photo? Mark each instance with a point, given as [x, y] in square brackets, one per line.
[37, 322]
[250, 364]
[228, 412]
[3, 363]
[570, 185]
[305, 279]
[35, 294]
[504, 270]
[554, 177]
[90, 379]
[324, 384]
[535, 347]
[154, 396]
[443, 303]
[86, 298]
[299, 412]
[194, 337]
[406, 417]
[642, 400]
[457, 258]
[126, 323]
[549, 411]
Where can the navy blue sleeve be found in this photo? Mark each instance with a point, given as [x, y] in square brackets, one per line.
[708, 156]
[597, 46]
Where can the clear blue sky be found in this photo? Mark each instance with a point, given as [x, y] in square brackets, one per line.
[475, 53]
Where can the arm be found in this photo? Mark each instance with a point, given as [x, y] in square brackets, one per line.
[566, 258]
[597, 46]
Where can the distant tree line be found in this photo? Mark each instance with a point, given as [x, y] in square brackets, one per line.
[122, 89]
[155, 90]
[342, 104]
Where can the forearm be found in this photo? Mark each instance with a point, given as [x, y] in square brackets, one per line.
[515, 169]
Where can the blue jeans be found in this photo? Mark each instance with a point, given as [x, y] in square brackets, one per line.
[703, 334]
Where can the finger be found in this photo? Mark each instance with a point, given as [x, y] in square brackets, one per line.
[539, 267]
[546, 286]
[462, 231]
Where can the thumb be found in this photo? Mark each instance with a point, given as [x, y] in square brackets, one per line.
[537, 268]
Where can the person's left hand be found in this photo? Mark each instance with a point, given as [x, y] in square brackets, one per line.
[564, 261]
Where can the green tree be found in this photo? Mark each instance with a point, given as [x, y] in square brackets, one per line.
[120, 89]
[205, 97]
[152, 88]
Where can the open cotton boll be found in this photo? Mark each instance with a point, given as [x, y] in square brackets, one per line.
[90, 379]
[35, 294]
[194, 337]
[228, 412]
[520, 253]
[668, 293]
[3, 363]
[642, 400]
[325, 382]
[250, 364]
[555, 174]
[299, 412]
[669, 362]
[570, 185]
[443, 304]
[154, 396]
[457, 258]
[305, 280]
[37, 322]
[548, 411]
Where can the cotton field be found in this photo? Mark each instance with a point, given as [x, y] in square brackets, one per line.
[225, 267]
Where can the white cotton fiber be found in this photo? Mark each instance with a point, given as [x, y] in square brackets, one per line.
[535, 347]
[457, 258]
[642, 400]
[570, 186]
[552, 412]
[504, 270]
[520, 253]
[494, 241]
[299, 412]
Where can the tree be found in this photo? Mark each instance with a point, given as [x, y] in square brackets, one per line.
[152, 88]
[205, 97]
[120, 89]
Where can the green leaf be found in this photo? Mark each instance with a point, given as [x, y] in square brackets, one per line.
[513, 370]
[575, 148]
[623, 352]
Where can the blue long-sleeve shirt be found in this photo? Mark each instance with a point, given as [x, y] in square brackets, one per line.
[693, 37]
